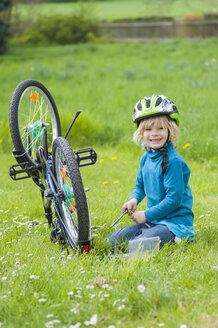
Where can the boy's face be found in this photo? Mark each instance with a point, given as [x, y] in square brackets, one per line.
[155, 137]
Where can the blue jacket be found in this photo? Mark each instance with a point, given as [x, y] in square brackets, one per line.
[169, 196]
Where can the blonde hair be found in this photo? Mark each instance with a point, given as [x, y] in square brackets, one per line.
[162, 121]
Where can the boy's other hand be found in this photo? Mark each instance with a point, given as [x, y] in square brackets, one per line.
[138, 217]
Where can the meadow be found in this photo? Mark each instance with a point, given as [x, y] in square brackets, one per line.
[41, 285]
[109, 10]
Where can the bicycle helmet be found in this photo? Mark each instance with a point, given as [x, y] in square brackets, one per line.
[153, 106]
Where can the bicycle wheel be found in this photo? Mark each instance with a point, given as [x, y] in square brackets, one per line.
[73, 209]
[32, 113]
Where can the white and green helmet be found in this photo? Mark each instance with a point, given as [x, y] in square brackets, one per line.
[153, 106]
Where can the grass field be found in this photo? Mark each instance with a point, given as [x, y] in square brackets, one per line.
[41, 286]
[110, 10]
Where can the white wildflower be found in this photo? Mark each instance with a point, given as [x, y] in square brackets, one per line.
[50, 315]
[34, 276]
[141, 288]
[74, 310]
[121, 307]
[92, 321]
[70, 293]
[42, 300]
[183, 326]
[4, 278]
[77, 325]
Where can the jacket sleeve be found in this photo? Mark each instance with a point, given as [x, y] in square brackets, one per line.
[174, 191]
[138, 191]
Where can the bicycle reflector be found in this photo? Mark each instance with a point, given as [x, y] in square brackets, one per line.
[36, 130]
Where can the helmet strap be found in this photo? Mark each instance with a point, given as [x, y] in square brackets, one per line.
[164, 150]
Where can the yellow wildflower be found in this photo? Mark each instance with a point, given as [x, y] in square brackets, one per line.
[105, 182]
[101, 160]
[1, 140]
[186, 145]
[114, 158]
[116, 181]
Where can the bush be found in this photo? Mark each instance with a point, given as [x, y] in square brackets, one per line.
[60, 30]
[5, 7]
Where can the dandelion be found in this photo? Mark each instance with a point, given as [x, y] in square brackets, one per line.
[1, 140]
[141, 288]
[105, 183]
[116, 182]
[92, 321]
[42, 300]
[114, 158]
[101, 160]
[186, 145]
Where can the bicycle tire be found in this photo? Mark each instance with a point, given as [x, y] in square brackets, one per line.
[75, 221]
[32, 108]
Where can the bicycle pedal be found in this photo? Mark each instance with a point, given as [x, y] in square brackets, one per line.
[22, 171]
[84, 155]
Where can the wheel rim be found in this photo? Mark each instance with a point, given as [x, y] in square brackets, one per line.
[68, 206]
[34, 116]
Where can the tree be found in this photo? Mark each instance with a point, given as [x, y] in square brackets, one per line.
[5, 12]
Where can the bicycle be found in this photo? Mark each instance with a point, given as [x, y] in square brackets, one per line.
[44, 155]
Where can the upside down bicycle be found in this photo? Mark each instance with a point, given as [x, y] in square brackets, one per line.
[44, 155]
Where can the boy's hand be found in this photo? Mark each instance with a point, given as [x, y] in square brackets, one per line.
[138, 217]
[131, 205]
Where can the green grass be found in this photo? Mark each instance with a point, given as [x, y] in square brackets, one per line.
[110, 10]
[105, 81]
[180, 281]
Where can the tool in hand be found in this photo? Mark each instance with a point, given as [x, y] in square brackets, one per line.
[124, 213]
